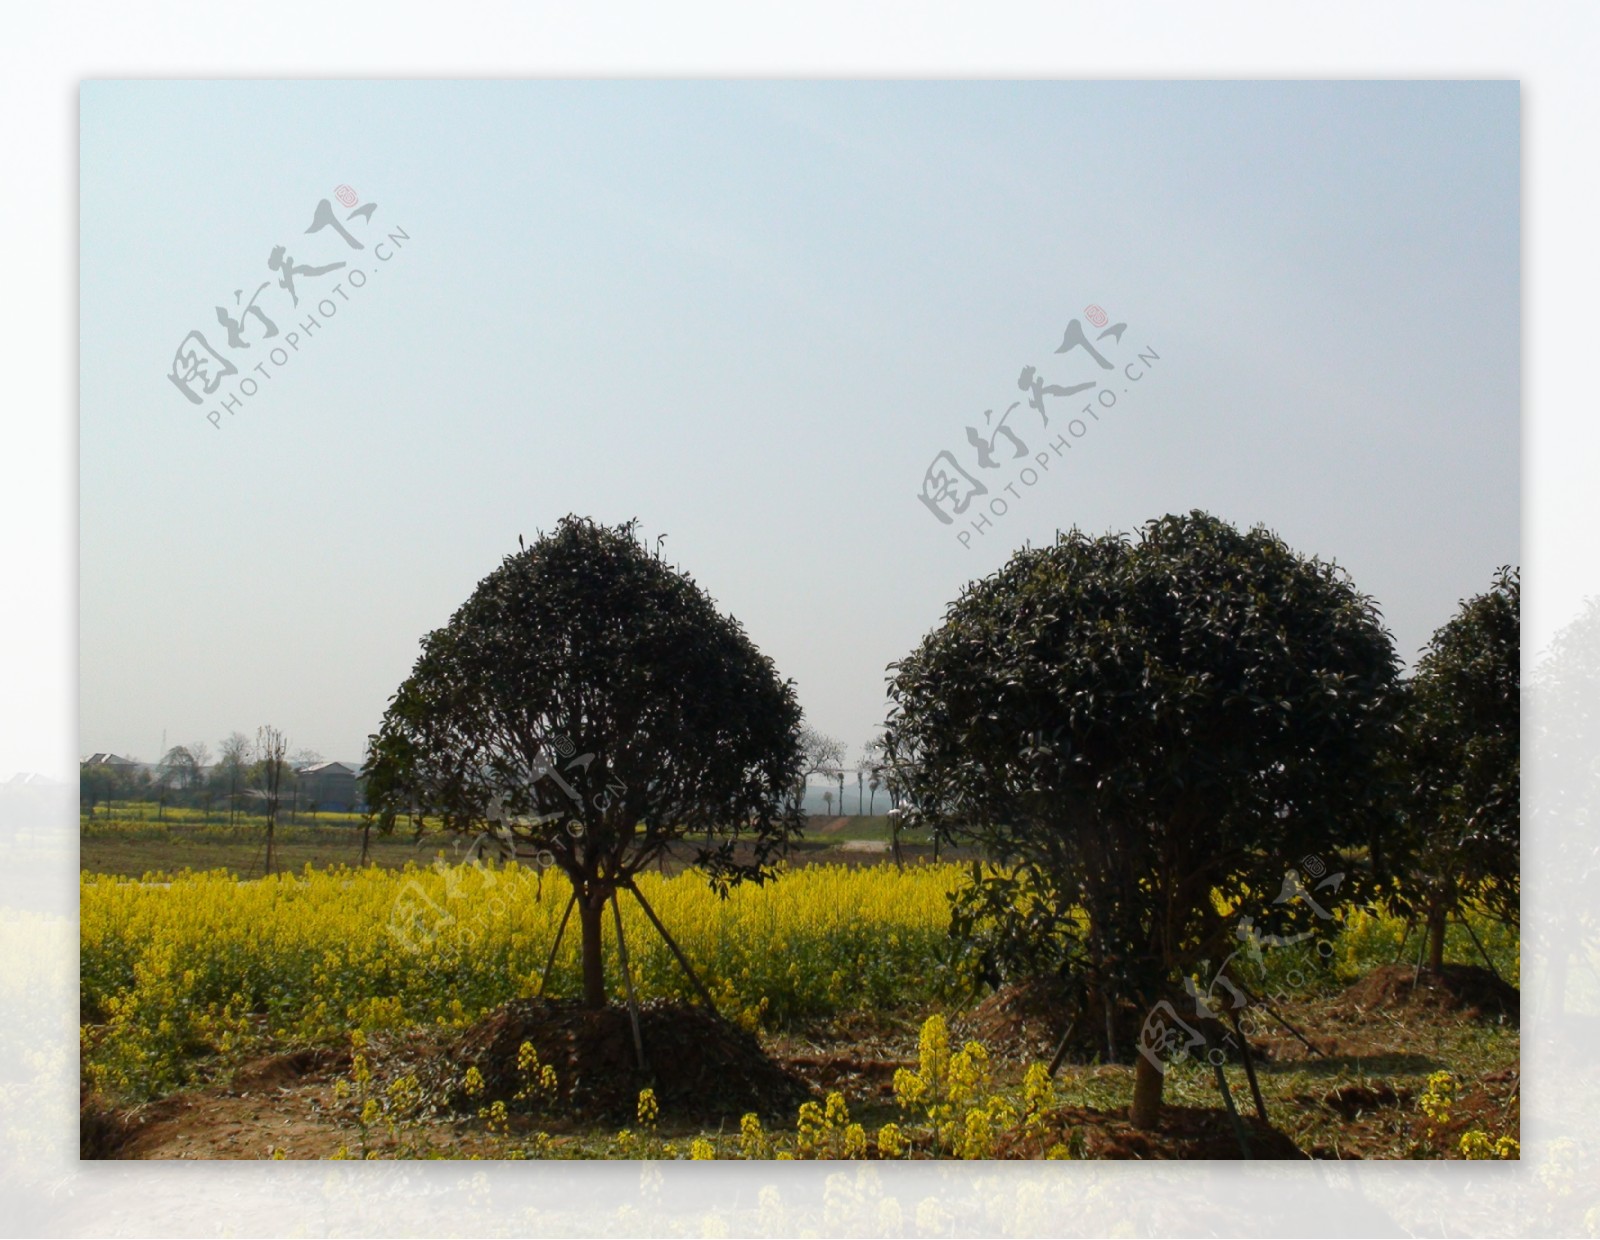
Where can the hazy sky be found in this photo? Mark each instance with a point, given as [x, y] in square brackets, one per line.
[752, 314]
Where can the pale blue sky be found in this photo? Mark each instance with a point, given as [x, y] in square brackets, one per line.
[750, 314]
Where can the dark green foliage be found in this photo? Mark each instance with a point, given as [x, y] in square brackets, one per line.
[1463, 745]
[590, 701]
[588, 637]
[1133, 724]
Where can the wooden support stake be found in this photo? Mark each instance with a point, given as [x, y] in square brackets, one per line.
[1061, 1046]
[627, 981]
[682, 960]
[1273, 1012]
[1233, 1111]
[560, 930]
[1481, 950]
[1249, 1065]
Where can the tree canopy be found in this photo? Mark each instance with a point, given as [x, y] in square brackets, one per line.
[591, 701]
[1463, 757]
[1132, 725]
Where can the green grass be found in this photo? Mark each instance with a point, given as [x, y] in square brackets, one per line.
[864, 827]
[245, 858]
[131, 840]
[137, 846]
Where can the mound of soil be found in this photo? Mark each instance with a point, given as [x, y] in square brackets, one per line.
[855, 1076]
[279, 1071]
[222, 1121]
[104, 1131]
[702, 1068]
[1025, 1021]
[1464, 988]
[1185, 1132]
[1021, 1022]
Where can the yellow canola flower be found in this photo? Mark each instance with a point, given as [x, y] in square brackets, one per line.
[753, 1142]
[210, 964]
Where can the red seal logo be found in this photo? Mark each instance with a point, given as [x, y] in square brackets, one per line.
[348, 196]
[1094, 314]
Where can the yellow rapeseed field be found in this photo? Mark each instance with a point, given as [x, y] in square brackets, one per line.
[173, 972]
[178, 972]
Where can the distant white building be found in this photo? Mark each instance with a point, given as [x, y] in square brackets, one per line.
[328, 786]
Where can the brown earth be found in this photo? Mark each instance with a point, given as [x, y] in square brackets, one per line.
[281, 1101]
[1354, 1100]
[1185, 1132]
[1022, 1022]
[701, 1067]
[1352, 1094]
[1465, 988]
[1026, 1021]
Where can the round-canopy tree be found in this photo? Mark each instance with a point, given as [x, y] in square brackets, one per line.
[1132, 726]
[590, 701]
[1463, 747]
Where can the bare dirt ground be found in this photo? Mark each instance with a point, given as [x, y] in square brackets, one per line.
[1349, 1089]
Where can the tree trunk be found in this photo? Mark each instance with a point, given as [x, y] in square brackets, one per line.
[1147, 1082]
[594, 968]
[1437, 919]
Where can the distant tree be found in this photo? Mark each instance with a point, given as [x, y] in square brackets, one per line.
[871, 761]
[97, 785]
[1135, 727]
[827, 801]
[133, 782]
[178, 771]
[821, 754]
[894, 785]
[361, 792]
[200, 788]
[1464, 739]
[590, 700]
[271, 768]
[235, 758]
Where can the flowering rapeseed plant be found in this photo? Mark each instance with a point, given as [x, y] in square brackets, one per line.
[214, 965]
